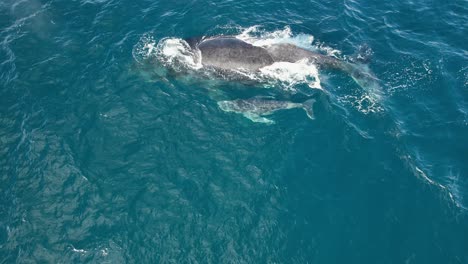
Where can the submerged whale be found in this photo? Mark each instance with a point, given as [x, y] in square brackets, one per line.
[256, 109]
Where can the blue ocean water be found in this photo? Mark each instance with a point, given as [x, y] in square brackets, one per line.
[103, 160]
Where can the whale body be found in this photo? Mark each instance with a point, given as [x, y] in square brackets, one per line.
[256, 109]
[232, 54]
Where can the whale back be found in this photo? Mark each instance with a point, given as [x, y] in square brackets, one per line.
[292, 53]
[257, 106]
[231, 53]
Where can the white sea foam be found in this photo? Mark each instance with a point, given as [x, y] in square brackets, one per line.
[175, 50]
[363, 103]
[291, 74]
[169, 51]
[258, 37]
[144, 49]
[81, 251]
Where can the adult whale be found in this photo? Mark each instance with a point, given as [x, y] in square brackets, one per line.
[230, 53]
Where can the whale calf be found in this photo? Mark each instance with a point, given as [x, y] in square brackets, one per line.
[256, 109]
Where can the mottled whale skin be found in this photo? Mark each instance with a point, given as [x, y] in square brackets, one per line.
[256, 109]
[231, 53]
[291, 53]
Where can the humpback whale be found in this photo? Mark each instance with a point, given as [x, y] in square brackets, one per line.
[230, 53]
[256, 109]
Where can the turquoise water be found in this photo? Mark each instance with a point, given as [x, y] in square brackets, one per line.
[105, 160]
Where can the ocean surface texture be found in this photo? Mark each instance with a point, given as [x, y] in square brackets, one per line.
[114, 149]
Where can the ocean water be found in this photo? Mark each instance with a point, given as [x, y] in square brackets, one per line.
[109, 154]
